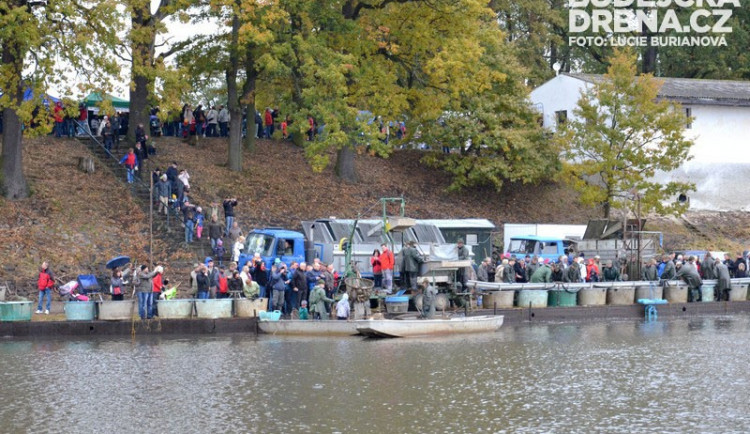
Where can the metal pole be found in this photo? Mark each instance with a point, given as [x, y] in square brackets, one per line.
[151, 222]
[640, 235]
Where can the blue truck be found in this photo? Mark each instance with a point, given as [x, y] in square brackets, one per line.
[272, 243]
[544, 247]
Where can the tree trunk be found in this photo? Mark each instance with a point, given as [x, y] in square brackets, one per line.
[235, 119]
[143, 52]
[345, 168]
[13, 182]
[248, 98]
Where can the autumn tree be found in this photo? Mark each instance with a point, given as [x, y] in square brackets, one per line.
[34, 38]
[620, 136]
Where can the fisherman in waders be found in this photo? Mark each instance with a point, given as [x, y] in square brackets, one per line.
[318, 300]
[428, 299]
[689, 274]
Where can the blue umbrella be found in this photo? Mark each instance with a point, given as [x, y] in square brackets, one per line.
[118, 262]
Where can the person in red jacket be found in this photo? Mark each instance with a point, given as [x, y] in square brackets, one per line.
[386, 264]
[45, 283]
[377, 269]
[223, 290]
[268, 122]
[58, 119]
[157, 286]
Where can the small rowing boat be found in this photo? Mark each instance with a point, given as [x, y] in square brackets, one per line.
[389, 328]
[309, 327]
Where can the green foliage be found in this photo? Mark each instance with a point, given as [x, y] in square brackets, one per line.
[620, 137]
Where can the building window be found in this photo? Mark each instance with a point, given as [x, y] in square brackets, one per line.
[689, 115]
[562, 116]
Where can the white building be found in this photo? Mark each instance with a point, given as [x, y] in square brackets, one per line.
[720, 127]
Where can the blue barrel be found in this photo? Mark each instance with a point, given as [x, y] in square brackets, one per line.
[397, 304]
[80, 310]
[535, 297]
[16, 310]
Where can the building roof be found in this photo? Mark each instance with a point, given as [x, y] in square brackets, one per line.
[460, 223]
[694, 91]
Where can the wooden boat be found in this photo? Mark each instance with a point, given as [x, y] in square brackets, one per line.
[389, 328]
[309, 327]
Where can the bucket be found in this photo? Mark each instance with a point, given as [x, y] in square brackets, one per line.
[675, 292]
[248, 308]
[620, 295]
[80, 310]
[175, 309]
[117, 310]
[16, 310]
[535, 297]
[592, 296]
[214, 308]
[397, 304]
[501, 299]
[738, 292]
[562, 298]
[652, 291]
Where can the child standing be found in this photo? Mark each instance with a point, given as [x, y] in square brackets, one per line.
[199, 218]
[219, 250]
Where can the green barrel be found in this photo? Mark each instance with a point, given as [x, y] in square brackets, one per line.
[533, 297]
[80, 310]
[707, 290]
[16, 310]
[562, 298]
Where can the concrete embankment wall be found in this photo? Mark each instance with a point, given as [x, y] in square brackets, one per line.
[514, 316]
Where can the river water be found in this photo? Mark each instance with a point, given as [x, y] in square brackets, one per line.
[625, 376]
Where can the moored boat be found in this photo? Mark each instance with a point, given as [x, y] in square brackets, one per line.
[309, 327]
[388, 328]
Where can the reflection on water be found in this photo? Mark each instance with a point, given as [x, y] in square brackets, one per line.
[676, 376]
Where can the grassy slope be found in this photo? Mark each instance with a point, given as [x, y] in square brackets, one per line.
[78, 221]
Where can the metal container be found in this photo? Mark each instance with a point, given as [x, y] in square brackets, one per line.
[592, 296]
[175, 309]
[118, 310]
[80, 310]
[247, 308]
[738, 292]
[16, 310]
[532, 298]
[675, 292]
[500, 299]
[562, 298]
[707, 290]
[214, 308]
[652, 291]
[621, 294]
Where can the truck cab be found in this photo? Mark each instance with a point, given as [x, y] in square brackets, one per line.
[543, 247]
[272, 243]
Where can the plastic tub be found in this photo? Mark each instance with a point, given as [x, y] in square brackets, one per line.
[562, 298]
[214, 308]
[270, 316]
[16, 310]
[592, 296]
[675, 292]
[175, 309]
[247, 308]
[80, 310]
[652, 291]
[117, 310]
[397, 304]
[532, 298]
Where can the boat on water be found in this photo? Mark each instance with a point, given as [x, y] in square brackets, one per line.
[403, 328]
[309, 327]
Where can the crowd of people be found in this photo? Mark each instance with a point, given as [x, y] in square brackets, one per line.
[576, 269]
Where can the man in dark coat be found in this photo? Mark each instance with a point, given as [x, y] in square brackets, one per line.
[299, 284]
[723, 285]
[689, 274]
[411, 262]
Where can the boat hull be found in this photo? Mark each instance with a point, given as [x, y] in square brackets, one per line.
[428, 327]
[309, 328]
